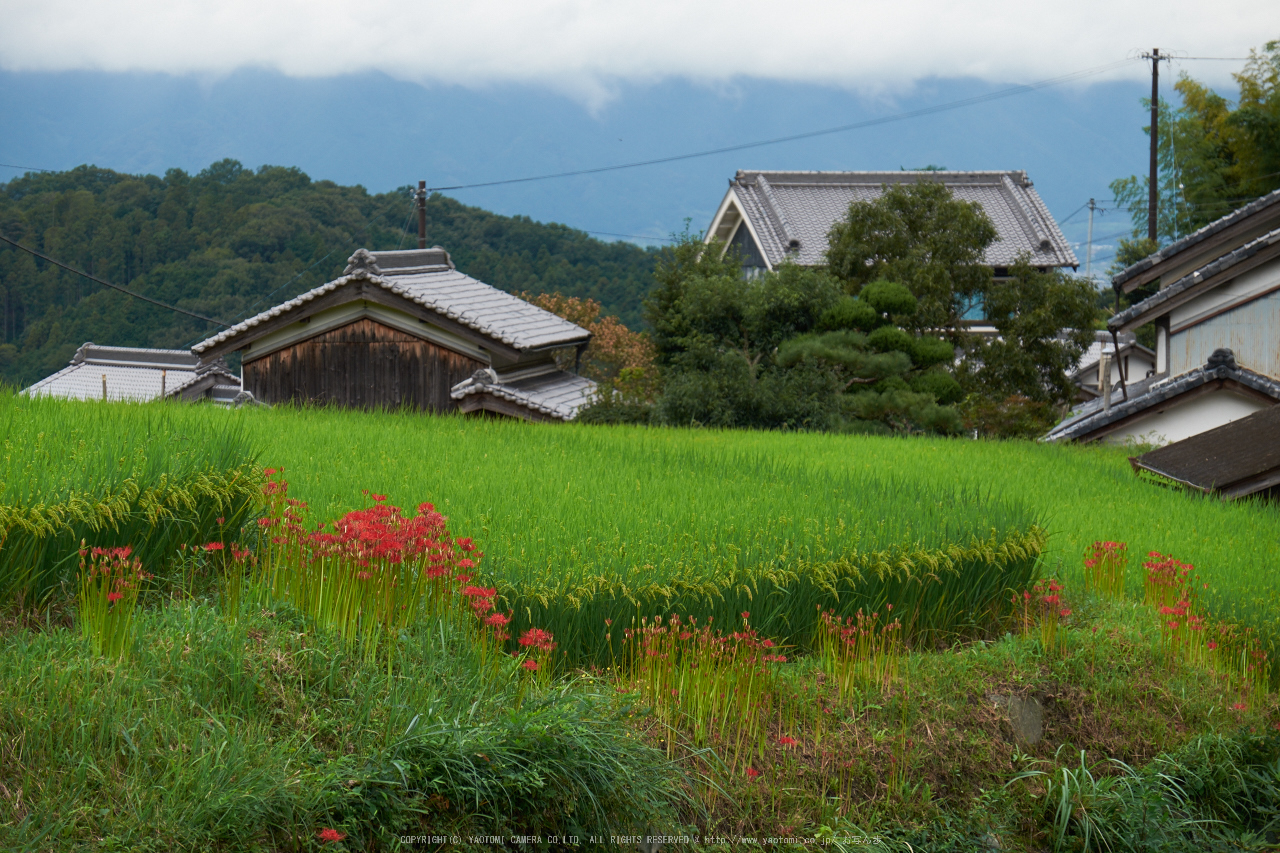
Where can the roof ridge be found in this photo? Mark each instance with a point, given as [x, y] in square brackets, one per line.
[1221, 223]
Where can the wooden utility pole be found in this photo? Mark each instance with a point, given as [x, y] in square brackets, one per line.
[1155, 58]
[422, 214]
[1088, 261]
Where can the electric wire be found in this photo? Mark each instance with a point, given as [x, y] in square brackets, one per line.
[105, 283]
[923, 111]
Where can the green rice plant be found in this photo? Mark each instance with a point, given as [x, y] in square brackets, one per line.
[859, 651]
[109, 586]
[150, 476]
[1104, 569]
[374, 576]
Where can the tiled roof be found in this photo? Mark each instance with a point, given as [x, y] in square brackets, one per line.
[557, 393]
[427, 277]
[1102, 343]
[1233, 458]
[792, 212]
[1196, 236]
[131, 374]
[1145, 393]
[1206, 272]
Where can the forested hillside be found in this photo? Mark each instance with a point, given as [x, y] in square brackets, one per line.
[229, 242]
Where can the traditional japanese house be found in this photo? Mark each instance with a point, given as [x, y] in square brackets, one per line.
[407, 329]
[1216, 313]
[137, 374]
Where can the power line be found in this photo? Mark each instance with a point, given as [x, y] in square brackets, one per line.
[923, 111]
[630, 236]
[124, 290]
[27, 168]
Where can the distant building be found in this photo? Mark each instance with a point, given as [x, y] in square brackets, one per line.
[1132, 359]
[406, 329]
[1217, 318]
[775, 217]
[131, 373]
[1235, 460]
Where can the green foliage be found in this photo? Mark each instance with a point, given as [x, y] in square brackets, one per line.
[919, 235]
[254, 736]
[1044, 322]
[148, 476]
[784, 349]
[230, 241]
[1009, 417]
[1215, 793]
[1215, 156]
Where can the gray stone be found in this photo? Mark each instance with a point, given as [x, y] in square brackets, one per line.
[1026, 716]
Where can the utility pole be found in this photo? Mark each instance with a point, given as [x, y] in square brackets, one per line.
[1088, 261]
[422, 214]
[1155, 58]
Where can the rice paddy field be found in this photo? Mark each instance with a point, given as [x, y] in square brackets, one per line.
[575, 511]
[695, 631]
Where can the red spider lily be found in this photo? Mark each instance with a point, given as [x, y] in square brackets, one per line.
[497, 620]
[114, 596]
[1239, 706]
[786, 741]
[537, 638]
[327, 835]
[214, 546]
[531, 665]
[752, 774]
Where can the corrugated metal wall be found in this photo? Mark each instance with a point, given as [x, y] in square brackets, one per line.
[1251, 331]
[361, 365]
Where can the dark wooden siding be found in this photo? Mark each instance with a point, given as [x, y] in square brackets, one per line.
[362, 365]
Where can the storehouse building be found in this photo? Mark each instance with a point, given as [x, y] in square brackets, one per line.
[407, 329]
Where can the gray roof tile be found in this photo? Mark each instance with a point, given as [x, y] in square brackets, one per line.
[1145, 393]
[1195, 237]
[131, 374]
[802, 206]
[428, 278]
[1206, 272]
[557, 393]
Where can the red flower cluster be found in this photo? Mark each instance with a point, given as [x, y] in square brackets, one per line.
[537, 638]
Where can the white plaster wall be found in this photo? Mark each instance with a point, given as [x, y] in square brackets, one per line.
[1251, 331]
[1193, 417]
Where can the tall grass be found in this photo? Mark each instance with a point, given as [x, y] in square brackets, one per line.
[584, 526]
[149, 476]
[566, 497]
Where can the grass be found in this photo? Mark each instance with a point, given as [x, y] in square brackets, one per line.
[258, 734]
[242, 723]
[113, 475]
[552, 503]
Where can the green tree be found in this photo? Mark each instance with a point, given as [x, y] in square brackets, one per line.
[1214, 155]
[789, 349]
[1044, 323]
[921, 236]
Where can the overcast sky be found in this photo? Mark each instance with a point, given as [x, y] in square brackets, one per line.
[586, 48]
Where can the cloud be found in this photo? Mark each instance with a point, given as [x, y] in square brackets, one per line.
[586, 48]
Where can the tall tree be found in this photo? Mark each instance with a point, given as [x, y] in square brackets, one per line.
[1214, 154]
[921, 236]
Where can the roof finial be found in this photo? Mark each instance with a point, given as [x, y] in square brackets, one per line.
[362, 264]
[1221, 357]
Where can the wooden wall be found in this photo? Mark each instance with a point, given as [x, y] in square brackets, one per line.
[361, 365]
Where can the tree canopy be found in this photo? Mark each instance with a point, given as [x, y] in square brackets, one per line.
[1215, 155]
[876, 340]
[231, 241]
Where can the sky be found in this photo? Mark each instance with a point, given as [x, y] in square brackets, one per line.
[384, 94]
